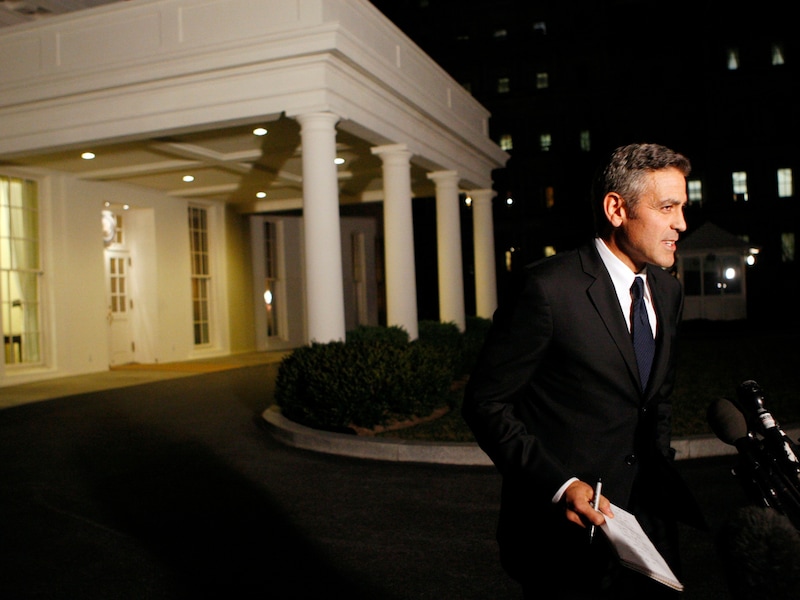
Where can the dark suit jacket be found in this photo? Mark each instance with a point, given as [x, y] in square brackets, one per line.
[556, 394]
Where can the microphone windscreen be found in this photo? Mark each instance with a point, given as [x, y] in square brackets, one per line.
[726, 421]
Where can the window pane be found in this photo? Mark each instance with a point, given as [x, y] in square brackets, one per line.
[777, 54]
[198, 242]
[785, 183]
[586, 141]
[542, 81]
[787, 247]
[695, 191]
[733, 59]
[19, 271]
[739, 180]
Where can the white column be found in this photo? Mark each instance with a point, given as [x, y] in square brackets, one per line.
[321, 229]
[448, 243]
[398, 232]
[483, 236]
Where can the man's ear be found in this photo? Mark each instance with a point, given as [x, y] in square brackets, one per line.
[614, 209]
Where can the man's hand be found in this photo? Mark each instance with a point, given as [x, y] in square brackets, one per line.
[578, 499]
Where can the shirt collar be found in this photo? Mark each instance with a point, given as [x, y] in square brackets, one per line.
[621, 276]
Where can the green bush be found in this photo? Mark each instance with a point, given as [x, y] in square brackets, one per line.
[375, 333]
[365, 382]
[448, 340]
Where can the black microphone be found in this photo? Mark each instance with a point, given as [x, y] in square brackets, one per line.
[755, 474]
[757, 471]
[751, 398]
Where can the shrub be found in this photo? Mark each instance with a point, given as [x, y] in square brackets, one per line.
[364, 382]
[447, 340]
[375, 333]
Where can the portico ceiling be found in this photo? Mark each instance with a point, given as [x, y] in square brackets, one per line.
[230, 164]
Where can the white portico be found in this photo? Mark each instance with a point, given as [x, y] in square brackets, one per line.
[149, 81]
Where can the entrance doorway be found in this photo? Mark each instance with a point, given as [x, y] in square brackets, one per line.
[119, 304]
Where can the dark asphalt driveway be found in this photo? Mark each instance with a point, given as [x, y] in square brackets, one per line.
[175, 490]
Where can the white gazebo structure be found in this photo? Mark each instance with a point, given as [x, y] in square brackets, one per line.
[712, 264]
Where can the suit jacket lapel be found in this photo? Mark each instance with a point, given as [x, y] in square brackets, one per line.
[604, 297]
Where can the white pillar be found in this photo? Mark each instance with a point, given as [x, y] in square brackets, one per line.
[448, 243]
[321, 229]
[398, 228]
[483, 236]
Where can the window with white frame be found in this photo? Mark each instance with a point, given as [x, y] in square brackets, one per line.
[201, 275]
[694, 189]
[20, 271]
[739, 180]
[785, 183]
[506, 142]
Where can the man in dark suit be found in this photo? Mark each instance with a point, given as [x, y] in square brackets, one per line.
[558, 401]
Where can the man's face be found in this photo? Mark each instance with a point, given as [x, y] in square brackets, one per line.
[649, 234]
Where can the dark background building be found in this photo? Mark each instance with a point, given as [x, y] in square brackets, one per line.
[567, 81]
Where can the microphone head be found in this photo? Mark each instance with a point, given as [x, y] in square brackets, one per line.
[726, 421]
[750, 395]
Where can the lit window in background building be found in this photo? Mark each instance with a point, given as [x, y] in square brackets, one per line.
[777, 55]
[506, 143]
[787, 247]
[785, 183]
[695, 191]
[549, 196]
[586, 141]
[542, 81]
[739, 179]
[733, 59]
[545, 142]
[503, 85]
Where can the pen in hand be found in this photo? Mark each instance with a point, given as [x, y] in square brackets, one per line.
[595, 505]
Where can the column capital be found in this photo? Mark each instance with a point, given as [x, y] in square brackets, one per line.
[443, 176]
[482, 195]
[388, 151]
[325, 119]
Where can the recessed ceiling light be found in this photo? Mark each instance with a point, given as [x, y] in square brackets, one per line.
[260, 131]
[87, 155]
[261, 194]
[338, 161]
[188, 178]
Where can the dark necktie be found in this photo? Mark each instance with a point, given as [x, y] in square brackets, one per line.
[643, 343]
